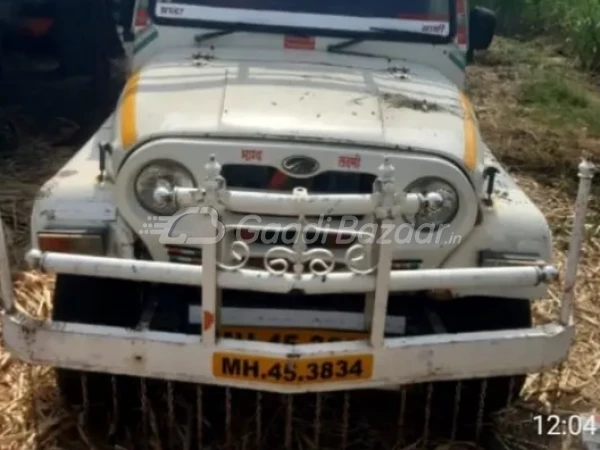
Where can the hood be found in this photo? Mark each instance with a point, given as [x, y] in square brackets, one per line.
[231, 93]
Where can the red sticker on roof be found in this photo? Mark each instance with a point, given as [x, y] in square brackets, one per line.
[141, 18]
[461, 36]
[299, 42]
[424, 17]
[461, 32]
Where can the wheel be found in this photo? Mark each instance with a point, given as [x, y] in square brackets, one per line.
[482, 314]
[96, 301]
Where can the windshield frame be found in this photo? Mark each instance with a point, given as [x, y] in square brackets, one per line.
[398, 36]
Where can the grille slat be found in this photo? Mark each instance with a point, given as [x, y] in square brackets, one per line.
[246, 176]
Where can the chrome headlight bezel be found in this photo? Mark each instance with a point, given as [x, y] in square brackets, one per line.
[168, 173]
[451, 205]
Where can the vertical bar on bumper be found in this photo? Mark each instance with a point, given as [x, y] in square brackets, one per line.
[5, 277]
[213, 186]
[586, 174]
[382, 287]
[385, 189]
[209, 287]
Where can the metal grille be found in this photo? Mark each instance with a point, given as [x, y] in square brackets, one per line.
[269, 178]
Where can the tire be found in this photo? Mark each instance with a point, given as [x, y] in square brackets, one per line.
[482, 314]
[96, 301]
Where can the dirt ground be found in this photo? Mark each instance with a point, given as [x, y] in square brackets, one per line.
[538, 114]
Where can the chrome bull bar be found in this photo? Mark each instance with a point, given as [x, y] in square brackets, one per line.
[182, 357]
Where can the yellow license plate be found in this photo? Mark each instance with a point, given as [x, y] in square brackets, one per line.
[292, 371]
[289, 335]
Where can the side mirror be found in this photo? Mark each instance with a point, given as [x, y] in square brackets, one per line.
[482, 27]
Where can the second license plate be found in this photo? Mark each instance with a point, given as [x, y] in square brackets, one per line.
[289, 335]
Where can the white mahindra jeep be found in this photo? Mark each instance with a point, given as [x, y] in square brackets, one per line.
[294, 197]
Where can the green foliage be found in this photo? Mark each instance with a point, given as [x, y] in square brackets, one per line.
[560, 103]
[552, 91]
[575, 22]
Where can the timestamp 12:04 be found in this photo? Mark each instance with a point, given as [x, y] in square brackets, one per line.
[574, 425]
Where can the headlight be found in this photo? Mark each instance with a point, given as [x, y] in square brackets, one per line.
[434, 216]
[158, 178]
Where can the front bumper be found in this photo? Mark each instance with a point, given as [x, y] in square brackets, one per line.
[201, 359]
[373, 362]
[181, 357]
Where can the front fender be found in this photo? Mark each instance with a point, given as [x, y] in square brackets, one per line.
[513, 224]
[74, 198]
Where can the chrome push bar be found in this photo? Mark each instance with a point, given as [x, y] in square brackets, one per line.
[368, 269]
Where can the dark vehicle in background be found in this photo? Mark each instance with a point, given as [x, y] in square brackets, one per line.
[77, 36]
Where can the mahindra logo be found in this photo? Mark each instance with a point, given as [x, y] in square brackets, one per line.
[300, 166]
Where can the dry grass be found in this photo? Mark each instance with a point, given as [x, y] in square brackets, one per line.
[23, 172]
[542, 145]
[544, 158]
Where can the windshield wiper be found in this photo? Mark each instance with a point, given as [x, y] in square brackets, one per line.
[372, 33]
[375, 32]
[199, 38]
[230, 29]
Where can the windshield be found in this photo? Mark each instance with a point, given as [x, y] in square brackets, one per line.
[422, 16]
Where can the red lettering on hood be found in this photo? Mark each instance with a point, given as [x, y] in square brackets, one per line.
[252, 155]
[349, 162]
[299, 42]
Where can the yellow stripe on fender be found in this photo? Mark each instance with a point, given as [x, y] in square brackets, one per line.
[128, 112]
[470, 156]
